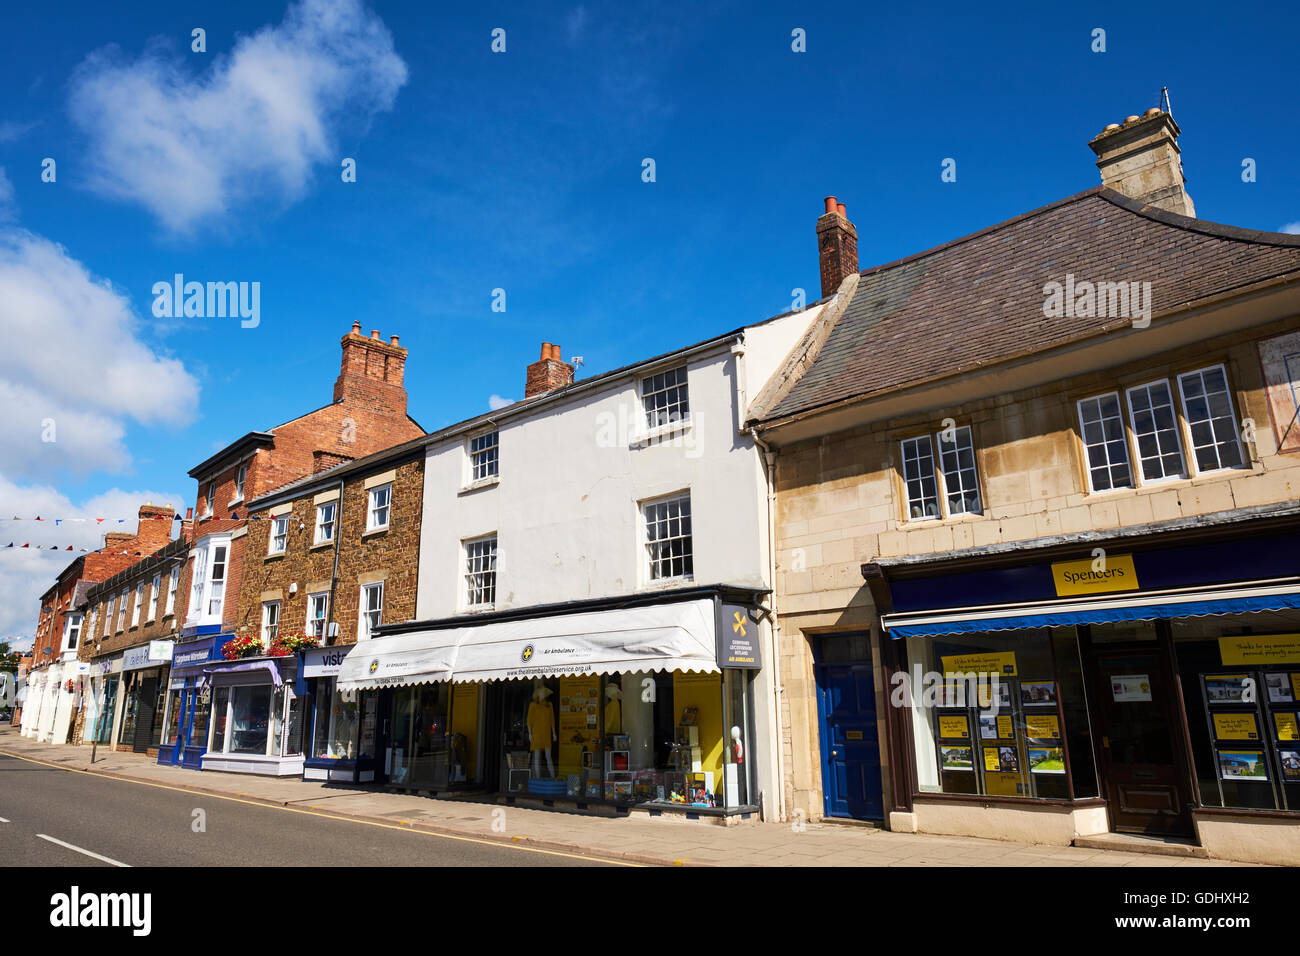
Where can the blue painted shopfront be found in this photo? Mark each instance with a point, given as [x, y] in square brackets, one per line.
[188, 660]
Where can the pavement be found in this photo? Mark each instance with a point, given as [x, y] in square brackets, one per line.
[665, 840]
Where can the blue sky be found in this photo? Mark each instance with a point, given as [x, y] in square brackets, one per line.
[523, 171]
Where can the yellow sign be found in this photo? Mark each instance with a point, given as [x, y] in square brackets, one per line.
[1042, 726]
[1261, 649]
[1106, 572]
[854, 735]
[1005, 730]
[991, 761]
[1235, 727]
[954, 727]
[1002, 663]
[1286, 727]
[1295, 686]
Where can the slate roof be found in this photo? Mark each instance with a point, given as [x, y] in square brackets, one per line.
[979, 300]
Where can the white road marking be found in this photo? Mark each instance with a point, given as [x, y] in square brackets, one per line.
[3, 820]
[86, 852]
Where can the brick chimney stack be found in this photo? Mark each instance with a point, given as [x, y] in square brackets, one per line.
[372, 370]
[155, 529]
[837, 244]
[548, 373]
[1140, 158]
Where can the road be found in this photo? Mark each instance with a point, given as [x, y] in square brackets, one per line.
[55, 817]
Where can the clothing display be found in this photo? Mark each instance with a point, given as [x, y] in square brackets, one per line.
[541, 725]
[614, 717]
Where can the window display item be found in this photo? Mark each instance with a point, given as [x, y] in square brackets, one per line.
[541, 730]
[613, 710]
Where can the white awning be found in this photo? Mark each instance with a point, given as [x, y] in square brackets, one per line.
[669, 637]
[419, 658]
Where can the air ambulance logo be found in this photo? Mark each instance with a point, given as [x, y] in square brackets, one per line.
[739, 625]
[374, 665]
[527, 655]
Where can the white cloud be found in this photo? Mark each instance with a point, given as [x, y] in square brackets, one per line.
[27, 573]
[254, 123]
[71, 358]
[1292, 227]
[496, 402]
[7, 207]
[574, 23]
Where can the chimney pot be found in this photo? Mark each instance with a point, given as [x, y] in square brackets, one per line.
[837, 246]
[356, 328]
[1141, 160]
[1153, 111]
[374, 334]
[189, 514]
[393, 340]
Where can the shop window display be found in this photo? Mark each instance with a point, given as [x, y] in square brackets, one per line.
[104, 726]
[337, 721]
[173, 721]
[1013, 739]
[250, 719]
[423, 749]
[1240, 679]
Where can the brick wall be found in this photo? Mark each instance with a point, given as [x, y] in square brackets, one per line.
[391, 556]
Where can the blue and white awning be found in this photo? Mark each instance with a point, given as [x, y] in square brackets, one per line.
[1280, 595]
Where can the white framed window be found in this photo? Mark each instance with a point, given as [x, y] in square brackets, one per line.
[108, 617]
[483, 456]
[317, 613]
[381, 500]
[918, 478]
[481, 572]
[665, 397]
[71, 632]
[208, 581]
[372, 609]
[121, 609]
[279, 539]
[94, 618]
[210, 499]
[217, 581]
[961, 486]
[325, 521]
[240, 474]
[139, 604]
[1211, 421]
[270, 621]
[1101, 424]
[1155, 431]
[171, 589]
[153, 596]
[668, 542]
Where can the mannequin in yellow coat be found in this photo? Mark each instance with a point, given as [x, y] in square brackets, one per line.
[613, 709]
[541, 730]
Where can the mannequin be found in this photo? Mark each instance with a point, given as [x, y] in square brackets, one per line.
[613, 709]
[541, 730]
[738, 748]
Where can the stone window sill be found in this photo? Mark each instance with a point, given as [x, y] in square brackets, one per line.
[482, 483]
[374, 531]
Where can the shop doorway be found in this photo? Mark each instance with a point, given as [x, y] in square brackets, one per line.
[1141, 756]
[146, 713]
[852, 785]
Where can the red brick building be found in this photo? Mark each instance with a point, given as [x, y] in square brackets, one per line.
[51, 706]
[367, 414]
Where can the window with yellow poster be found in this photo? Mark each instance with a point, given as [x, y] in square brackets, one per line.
[1042, 726]
[1285, 725]
[954, 728]
[1236, 727]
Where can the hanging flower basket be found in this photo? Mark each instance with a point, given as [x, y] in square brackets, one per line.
[286, 644]
[239, 647]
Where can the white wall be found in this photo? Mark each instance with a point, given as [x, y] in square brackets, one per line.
[565, 509]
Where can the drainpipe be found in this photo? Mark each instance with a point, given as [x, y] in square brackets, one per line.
[334, 575]
[769, 471]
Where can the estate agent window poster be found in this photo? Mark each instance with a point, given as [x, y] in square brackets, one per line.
[1226, 688]
[1042, 726]
[1236, 727]
[1038, 692]
[957, 727]
[1279, 688]
[1290, 760]
[1285, 725]
[956, 758]
[1243, 765]
[1046, 759]
[1001, 760]
[1130, 687]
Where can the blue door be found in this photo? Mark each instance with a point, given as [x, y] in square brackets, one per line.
[851, 781]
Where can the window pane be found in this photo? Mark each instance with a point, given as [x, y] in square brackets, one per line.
[1210, 419]
[957, 462]
[918, 476]
[668, 538]
[664, 397]
[1155, 428]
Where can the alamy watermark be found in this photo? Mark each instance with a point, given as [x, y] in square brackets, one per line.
[982, 689]
[1114, 300]
[212, 300]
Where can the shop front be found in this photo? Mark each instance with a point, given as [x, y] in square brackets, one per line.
[144, 673]
[103, 703]
[254, 717]
[341, 725]
[187, 708]
[1149, 685]
[640, 706]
